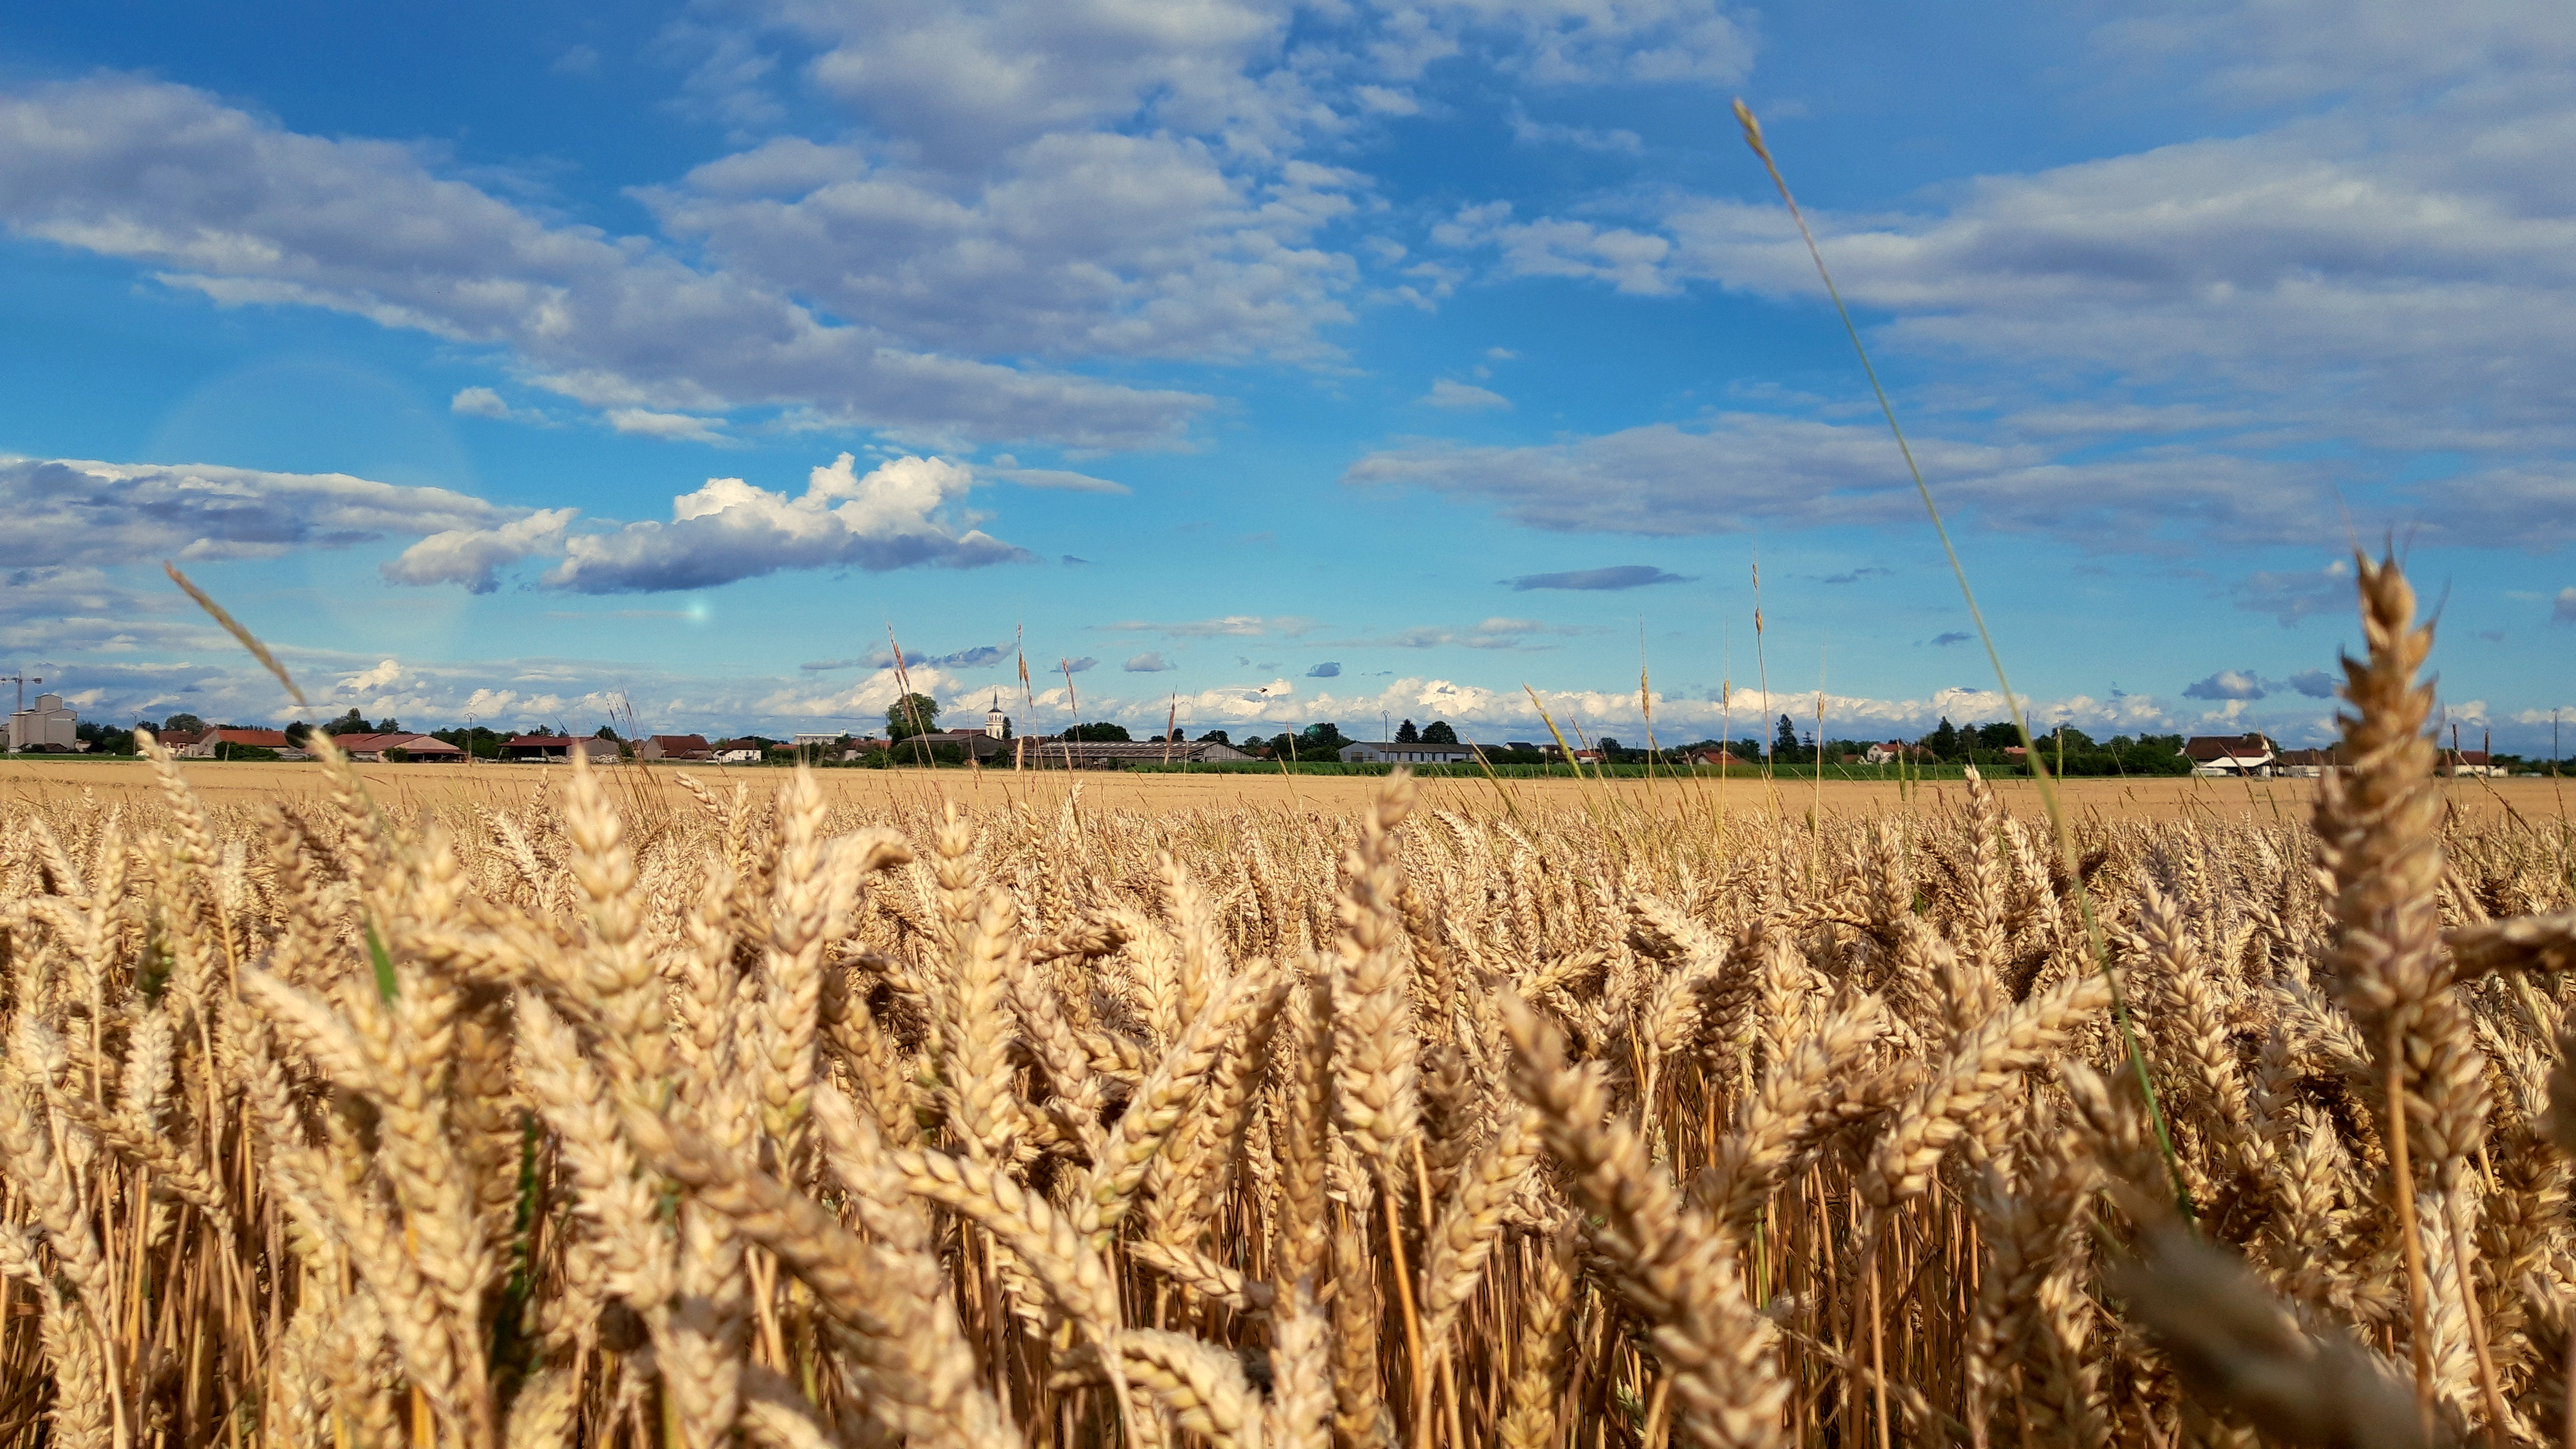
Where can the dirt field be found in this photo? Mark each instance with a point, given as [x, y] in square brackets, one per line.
[244, 784]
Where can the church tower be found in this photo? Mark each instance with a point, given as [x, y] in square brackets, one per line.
[996, 724]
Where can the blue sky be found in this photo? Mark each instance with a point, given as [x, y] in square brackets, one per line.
[1283, 362]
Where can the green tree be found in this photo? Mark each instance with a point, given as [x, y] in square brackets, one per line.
[1438, 732]
[914, 714]
[1998, 736]
[1101, 733]
[1784, 741]
[181, 724]
[1406, 734]
[1215, 737]
[604, 732]
[1943, 742]
[352, 723]
[1610, 750]
[104, 739]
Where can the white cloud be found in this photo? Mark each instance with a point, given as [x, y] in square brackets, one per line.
[1012, 179]
[483, 402]
[1462, 397]
[1236, 626]
[386, 673]
[581, 694]
[1731, 471]
[677, 427]
[2290, 50]
[473, 556]
[2382, 274]
[2229, 684]
[70, 511]
[1008, 469]
[2564, 610]
[1087, 243]
[1537, 133]
[217, 201]
[1151, 662]
[889, 518]
[1494, 633]
[2292, 596]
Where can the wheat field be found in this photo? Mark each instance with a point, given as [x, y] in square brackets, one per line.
[586, 1113]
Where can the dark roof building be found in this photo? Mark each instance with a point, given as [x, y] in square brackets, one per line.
[674, 747]
[559, 748]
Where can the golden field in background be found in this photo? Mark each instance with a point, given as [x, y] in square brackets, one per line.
[226, 783]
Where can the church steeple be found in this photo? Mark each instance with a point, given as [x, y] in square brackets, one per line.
[996, 724]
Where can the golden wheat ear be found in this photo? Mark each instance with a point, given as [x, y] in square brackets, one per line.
[2239, 1348]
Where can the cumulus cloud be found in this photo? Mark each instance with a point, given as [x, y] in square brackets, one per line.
[1463, 397]
[1623, 576]
[1077, 666]
[972, 83]
[1952, 639]
[68, 511]
[1151, 662]
[889, 518]
[1078, 242]
[2564, 610]
[1329, 669]
[483, 402]
[2325, 264]
[2229, 684]
[473, 556]
[214, 200]
[2315, 683]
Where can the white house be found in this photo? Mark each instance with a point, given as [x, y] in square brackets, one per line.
[2236, 755]
[1404, 752]
[48, 726]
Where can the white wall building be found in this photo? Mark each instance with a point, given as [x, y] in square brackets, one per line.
[48, 726]
[1404, 752]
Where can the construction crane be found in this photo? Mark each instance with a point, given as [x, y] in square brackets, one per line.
[22, 680]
